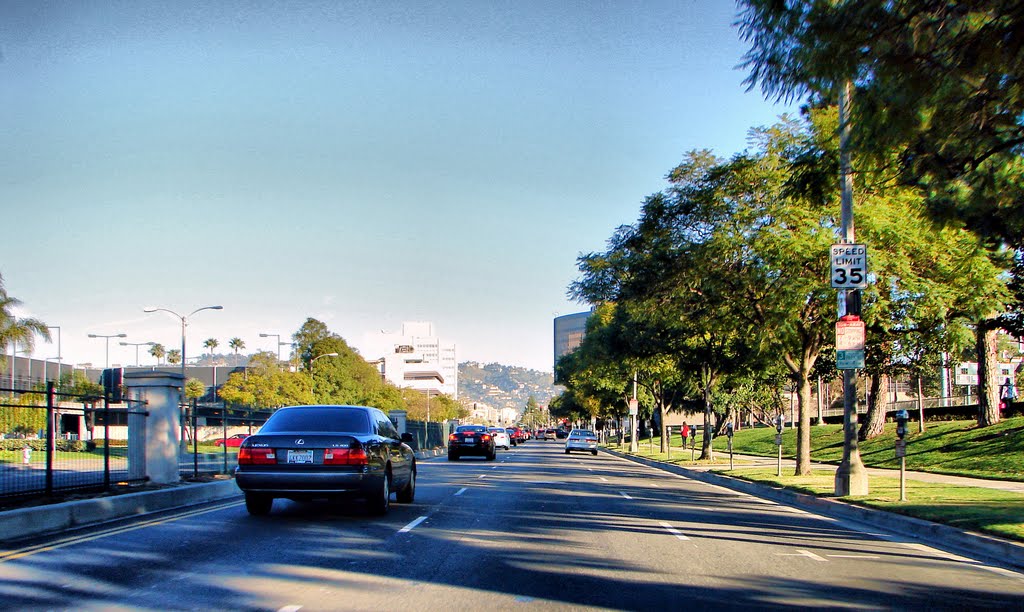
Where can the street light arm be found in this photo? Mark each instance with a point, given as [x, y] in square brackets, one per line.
[205, 308]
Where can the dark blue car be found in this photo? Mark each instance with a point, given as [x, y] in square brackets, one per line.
[326, 452]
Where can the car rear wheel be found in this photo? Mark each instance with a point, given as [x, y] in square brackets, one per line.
[453, 456]
[257, 504]
[566, 451]
[381, 499]
[492, 456]
[406, 495]
[593, 452]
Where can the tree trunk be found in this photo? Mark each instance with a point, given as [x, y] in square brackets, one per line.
[988, 373]
[705, 448]
[878, 406]
[803, 438]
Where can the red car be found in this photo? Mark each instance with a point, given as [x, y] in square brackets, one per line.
[231, 441]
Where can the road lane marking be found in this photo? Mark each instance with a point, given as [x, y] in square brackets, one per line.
[412, 525]
[624, 494]
[803, 553]
[481, 476]
[674, 531]
[603, 479]
[290, 609]
[657, 486]
[460, 492]
[853, 556]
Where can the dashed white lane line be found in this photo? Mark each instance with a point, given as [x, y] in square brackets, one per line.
[656, 486]
[412, 525]
[290, 609]
[603, 479]
[803, 553]
[494, 467]
[460, 491]
[679, 534]
[624, 494]
[853, 556]
[481, 476]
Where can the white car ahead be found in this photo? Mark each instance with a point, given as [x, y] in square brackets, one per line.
[581, 440]
[501, 438]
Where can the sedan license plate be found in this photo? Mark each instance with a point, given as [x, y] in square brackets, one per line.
[470, 440]
[300, 456]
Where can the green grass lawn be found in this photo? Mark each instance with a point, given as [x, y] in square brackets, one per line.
[956, 447]
[952, 447]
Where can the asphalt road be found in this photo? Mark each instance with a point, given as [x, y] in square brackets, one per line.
[534, 529]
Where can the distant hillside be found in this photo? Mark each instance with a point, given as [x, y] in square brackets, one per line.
[502, 386]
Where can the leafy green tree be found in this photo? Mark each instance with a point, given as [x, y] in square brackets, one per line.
[937, 81]
[265, 384]
[194, 389]
[158, 352]
[17, 331]
[174, 356]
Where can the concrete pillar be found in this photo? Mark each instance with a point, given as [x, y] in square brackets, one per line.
[400, 419]
[155, 438]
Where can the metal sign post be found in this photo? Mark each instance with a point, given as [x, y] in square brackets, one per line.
[780, 422]
[901, 450]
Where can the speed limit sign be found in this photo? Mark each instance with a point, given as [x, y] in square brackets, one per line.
[849, 266]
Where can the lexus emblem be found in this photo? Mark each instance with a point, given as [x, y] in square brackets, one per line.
[300, 442]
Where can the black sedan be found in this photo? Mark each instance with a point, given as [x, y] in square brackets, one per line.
[471, 440]
[326, 452]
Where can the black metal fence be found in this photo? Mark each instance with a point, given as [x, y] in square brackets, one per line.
[54, 442]
[212, 434]
[427, 435]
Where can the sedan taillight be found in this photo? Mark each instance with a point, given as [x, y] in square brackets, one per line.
[453, 437]
[256, 456]
[345, 456]
[485, 437]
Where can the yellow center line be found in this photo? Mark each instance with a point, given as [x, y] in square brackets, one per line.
[11, 555]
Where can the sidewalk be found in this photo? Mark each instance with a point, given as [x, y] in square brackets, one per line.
[962, 481]
[991, 549]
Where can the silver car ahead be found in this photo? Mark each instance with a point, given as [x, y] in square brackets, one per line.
[581, 440]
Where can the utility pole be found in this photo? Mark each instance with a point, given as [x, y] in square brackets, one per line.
[851, 476]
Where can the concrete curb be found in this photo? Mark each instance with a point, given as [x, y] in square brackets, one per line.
[950, 539]
[39, 520]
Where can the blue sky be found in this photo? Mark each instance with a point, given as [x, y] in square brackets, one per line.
[364, 163]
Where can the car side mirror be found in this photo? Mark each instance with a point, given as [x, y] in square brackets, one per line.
[407, 438]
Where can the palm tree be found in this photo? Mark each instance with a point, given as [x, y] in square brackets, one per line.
[16, 332]
[236, 344]
[158, 351]
[174, 356]
[211, 344]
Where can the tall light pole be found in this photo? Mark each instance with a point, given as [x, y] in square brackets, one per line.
[279, 343]
[107, 337]
[137, 345]
[59, 353]
[184, 324]
[311, 362]
[851, 476]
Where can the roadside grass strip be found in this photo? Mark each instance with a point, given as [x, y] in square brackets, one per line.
[974, 508]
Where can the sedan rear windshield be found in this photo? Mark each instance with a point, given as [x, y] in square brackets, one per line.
[473, 428]
[318, 420]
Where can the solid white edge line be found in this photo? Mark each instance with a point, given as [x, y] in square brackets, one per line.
[669, 528]
[412, 525]
[461, 491]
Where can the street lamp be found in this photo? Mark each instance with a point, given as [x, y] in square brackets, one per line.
[137, 345]
[59, 353]
[279, 343]
[107, 337]
[184, 324]
[311, 362]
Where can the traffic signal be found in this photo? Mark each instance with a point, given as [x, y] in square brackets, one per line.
[113, 379]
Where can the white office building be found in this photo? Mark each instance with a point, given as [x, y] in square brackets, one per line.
[419, 359]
